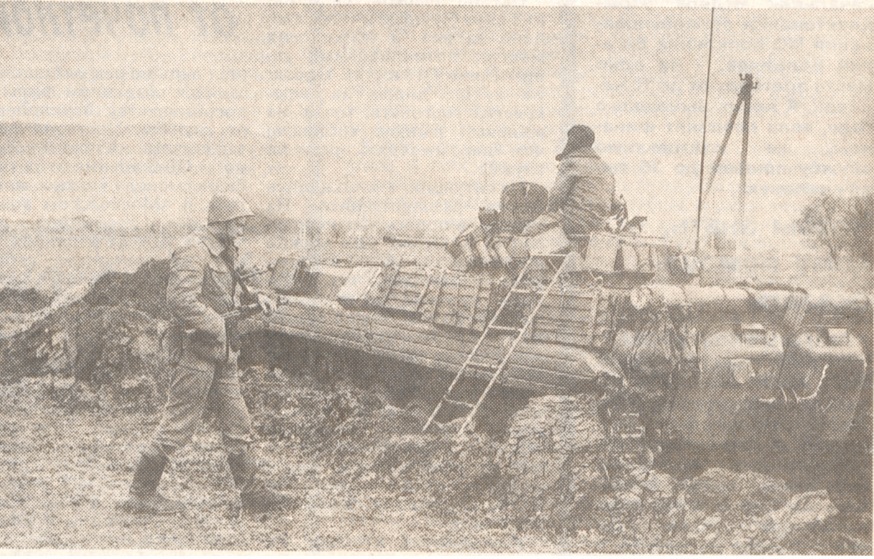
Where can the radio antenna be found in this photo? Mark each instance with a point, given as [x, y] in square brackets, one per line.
[704, 138]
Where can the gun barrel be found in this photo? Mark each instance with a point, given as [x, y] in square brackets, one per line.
[715, 299]
[391, 239]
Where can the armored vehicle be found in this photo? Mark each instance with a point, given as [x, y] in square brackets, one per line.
[616, 313]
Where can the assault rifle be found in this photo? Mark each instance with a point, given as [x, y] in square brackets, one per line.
[241, 312]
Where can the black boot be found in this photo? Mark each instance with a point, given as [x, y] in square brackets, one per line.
[144, 497]
[254, 495]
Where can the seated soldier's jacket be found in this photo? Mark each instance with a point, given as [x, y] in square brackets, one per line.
[584, 191]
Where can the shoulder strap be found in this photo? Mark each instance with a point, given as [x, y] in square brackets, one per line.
[229, 257]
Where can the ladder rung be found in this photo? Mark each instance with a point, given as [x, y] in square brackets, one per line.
[457, 403]
[512, 329]
[483, 366]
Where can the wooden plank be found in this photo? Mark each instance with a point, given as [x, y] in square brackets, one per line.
[428, 344]
[571, 295]
[568, 303]
[353, 331]
[536, 387]
[406, 303]
[438, 339]
[519, 380]
[342, 329]
[568, 300]
[547, 325]
[515, 371]
[414, 269]
[418, 360]
[567, 316]
[568, 297]
[338, 330]
[413, 289]
[475, 301]
[592, 317]
[568, 371]
[411, 279]
[449, 303]
[424, 291]
[334, 332]
[322, 314]
[573, 339]
[437, 294]
[316, 336]
[464, 340]
[390, 276]
[421, 327]
[404, 292]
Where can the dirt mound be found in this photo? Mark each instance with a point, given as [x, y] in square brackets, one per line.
[22, 300]
[297, 410]
[108, 337]
[736, 494]
[144, 289]
[554, 461]
[366, 441]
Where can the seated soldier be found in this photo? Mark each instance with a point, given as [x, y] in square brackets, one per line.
[584, 193]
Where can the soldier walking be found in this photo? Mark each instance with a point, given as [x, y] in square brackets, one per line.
[203, 352]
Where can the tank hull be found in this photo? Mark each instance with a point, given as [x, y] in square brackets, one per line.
[704, 364]
[537, 367]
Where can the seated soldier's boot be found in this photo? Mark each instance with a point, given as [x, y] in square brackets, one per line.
[254, 495]
[144, 497]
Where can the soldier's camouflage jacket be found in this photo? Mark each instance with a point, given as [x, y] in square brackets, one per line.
[200, 288]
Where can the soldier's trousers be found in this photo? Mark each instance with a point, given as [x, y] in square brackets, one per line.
[197, 385]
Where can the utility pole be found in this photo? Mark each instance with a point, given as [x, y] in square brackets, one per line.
[744, 99]
[747, 92]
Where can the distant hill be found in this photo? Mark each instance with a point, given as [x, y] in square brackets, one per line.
[142, 173]
[137, 173]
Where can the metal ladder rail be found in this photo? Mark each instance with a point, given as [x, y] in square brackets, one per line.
[528, 321]
[478, 343]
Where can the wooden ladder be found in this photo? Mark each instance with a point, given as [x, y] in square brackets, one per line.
[555, 263]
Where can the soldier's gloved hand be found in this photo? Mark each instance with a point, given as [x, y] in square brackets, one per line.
[266, 303]
[233, 357]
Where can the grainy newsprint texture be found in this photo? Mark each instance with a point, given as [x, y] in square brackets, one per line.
[406, 278]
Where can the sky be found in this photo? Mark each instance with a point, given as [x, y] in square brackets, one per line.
[417, 112]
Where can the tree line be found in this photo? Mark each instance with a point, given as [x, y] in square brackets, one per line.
[843, 225]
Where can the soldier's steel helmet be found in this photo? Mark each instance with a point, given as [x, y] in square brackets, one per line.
[227, 206]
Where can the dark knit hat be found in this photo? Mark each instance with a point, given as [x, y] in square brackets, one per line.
[578, 137]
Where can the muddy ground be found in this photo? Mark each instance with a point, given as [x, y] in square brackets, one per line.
[373, 483]
[82, 388]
